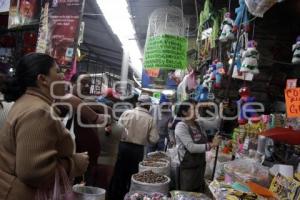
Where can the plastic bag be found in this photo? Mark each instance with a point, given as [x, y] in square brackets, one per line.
[244, 170]
[62, 189]
[180, 195]
[142, 195]
[259, 7]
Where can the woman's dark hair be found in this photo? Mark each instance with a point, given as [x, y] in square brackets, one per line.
[184, 107]
[27, 71]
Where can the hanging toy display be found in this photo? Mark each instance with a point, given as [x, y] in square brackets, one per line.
[220, 72]
[242, 17]
[227, 25]
[296, 51]
[243, 116]
[250, 59]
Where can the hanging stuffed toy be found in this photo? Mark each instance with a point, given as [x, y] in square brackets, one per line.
[226, 28]
[250, 59]
[220, 71]
[243, 116]
[212, 70]
[201, 93]
[296, 51]
[242, 17]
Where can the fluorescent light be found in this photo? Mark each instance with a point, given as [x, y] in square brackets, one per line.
[118, 17]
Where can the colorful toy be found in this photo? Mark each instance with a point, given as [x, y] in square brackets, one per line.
[242, 17]
[201, 93]
[250, 59]
[296, 51]
[220, 71]
[212, 71]
[243, 116]
[226, 28]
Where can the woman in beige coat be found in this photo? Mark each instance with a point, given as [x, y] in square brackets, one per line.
[32, 142]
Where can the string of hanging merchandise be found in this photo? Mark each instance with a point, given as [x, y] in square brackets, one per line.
[275, 61]
[93, 14]
[229, 5]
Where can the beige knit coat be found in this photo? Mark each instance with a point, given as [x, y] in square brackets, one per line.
[32, 144]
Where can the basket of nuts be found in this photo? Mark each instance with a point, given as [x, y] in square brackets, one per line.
[161, 168]
[148, 181]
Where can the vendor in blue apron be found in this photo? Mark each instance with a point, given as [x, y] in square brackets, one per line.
[192, 144]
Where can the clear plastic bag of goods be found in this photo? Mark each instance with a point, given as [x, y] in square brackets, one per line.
[259, 7]
[243, 170]
[150, 182]
[145, 196]
[181, 195]
[160, 168]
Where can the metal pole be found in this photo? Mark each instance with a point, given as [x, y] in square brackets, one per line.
[124, 71]
[228, 87]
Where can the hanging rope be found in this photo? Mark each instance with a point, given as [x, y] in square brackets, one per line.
[197, 12]
[182, 14]
[229, 5]
[253, 30]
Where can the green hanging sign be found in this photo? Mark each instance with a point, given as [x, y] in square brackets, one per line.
[166, 52]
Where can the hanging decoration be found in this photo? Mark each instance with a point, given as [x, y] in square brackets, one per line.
[165, 49]
[227, 25]
[258, 8]
[250, 59]
[59, 28]
[296, 51]
[220, 72]
[4, 5]
[242, 18]
[244, 116]
[204, 17]
[24, 12]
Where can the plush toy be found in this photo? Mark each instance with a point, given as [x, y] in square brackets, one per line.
[250, 59]
[212, 71]
[243, 117]
[242, 17]
[296, 51]
[220, 71]
[226, 28]
[201, 93]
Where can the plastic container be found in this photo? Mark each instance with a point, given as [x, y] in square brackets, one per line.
[163, 170]
[162, 188]
[88, 193]
[245, 169]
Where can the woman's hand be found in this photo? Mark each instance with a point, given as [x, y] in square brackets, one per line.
[84, 158]
[216, 141]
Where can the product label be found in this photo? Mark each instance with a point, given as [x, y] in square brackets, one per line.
[292, 100]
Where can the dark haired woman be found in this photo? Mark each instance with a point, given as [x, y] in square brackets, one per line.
[33, 143]
[192, 144]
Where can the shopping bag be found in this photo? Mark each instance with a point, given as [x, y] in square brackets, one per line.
[61, 190]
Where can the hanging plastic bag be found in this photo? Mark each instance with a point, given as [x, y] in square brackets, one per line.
[62, 189]
[259, 7]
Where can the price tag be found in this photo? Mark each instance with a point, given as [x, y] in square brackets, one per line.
[291, 83]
